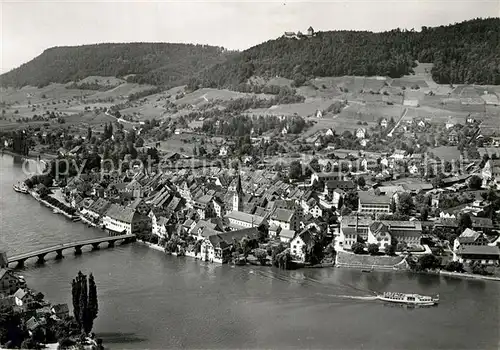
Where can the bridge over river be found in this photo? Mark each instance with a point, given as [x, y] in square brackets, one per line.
[58, 249]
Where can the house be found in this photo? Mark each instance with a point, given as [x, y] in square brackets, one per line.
[379, 234]
[124, 220]
[491, 171]
[453, 137]
[285, 218]
[330, 132]
[310, 31]
[450, 123]
[372, 203]
[155, 215]
[384, 123]
[398, 154]
[298, 244]
[10, 283]
[98, 208]
[312, 207]
[353, 228]
[135, 188]
[361, 133]
[23, 297]
[469, 237]
[218, 206]
[217, 247]
[140, 206]
[75, 151]
[284, 131]
[319, 114]
[332, 185]
[223, 151]
[484, 254]
[331, 176]
[239, 220]
[203, 206]
[286, 235]
[61, 311]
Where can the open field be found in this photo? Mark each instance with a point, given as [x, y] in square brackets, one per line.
[183, 143]
[202, 96]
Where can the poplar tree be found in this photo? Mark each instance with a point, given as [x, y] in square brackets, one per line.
[85, 305]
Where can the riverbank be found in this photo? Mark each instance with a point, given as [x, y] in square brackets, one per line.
[468, 275]
[53, 207]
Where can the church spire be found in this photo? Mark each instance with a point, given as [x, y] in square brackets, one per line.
[239, 189]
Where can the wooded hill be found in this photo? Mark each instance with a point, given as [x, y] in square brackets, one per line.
[467, 52]
[152, 63]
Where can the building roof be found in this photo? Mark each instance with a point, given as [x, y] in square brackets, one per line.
[249, 218]
[478, 250]
[287, 234]
[226, 239]
[60, 308]
[468, 236]
[120, 213]
[100, 206]
[478, 222]
[20, 293]
[284, 215]
[370, 198]
[379, 228]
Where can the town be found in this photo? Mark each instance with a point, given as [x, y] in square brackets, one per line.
[300, 204]
[269, 193]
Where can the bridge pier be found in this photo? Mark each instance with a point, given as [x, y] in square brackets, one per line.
[59, 254]
[41, 258]
[95, 246]
[20, 263]
[78, 250]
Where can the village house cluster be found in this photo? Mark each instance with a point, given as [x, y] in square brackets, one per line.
[34, 310]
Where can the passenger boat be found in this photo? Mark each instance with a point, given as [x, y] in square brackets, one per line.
[409, 299]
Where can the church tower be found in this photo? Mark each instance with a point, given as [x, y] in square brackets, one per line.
[238, 196]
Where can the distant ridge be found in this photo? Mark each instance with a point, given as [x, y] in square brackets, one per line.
[467, 52]
[150, 63]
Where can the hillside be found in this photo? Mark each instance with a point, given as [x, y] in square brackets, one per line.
[146, 63]
[467, 52]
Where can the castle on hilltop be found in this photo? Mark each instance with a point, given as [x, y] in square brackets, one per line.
[299, 35]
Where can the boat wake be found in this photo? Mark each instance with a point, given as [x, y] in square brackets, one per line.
[356, 297]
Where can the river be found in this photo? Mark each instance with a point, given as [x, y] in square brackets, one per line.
[150, 300]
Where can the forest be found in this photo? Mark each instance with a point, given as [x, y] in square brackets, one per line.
[467, 52]
[160, 64]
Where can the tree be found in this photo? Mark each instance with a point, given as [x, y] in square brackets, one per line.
[464, 221]
[358, 248]
[424, 213]
[404, 204]
[89, 134]
[427, 261]
[295, 171]
[373, 249]
[475, 182]
[139, 142]
[361, 182]
[261, 255]
[85, 306]
[390, 250]
[454, 266]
